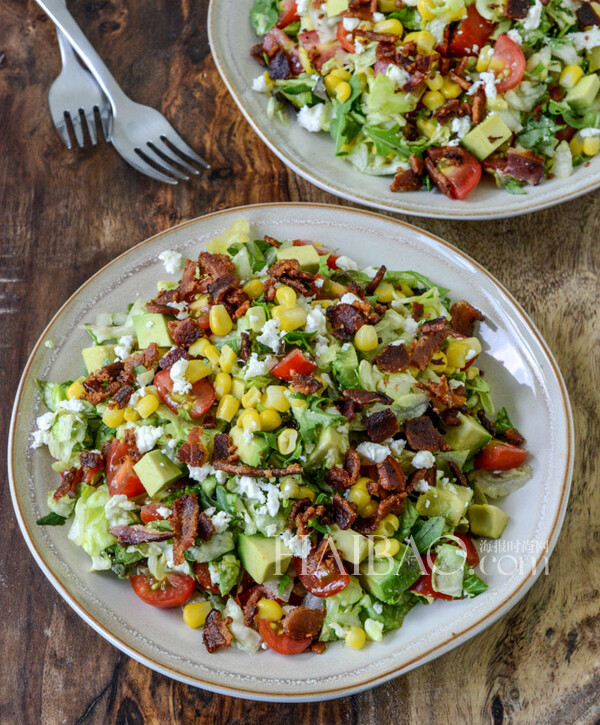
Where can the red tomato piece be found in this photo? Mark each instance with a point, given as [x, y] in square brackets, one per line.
[423, 585]
[293, 362]
[90, 473]
[173, 591]
[320, 579]
[203, 576]
[149, 512]
[471, 35]
[461, 169]
[497, 456]
[290, 14]
[120, 476]
[469, 548]
[280, 643]
[196, 402]
[510, 56]
[342, 36]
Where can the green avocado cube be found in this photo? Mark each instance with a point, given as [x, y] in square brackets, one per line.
[263, 558]
[584, 92]
[151, 327]
[448, 500]
[487, 520]
[352, 546]
[252, 452]
[335, 7]
[485, 138]
[98, 356]
[156, 471]
[387, 578]
[307, 255]
[470, 435]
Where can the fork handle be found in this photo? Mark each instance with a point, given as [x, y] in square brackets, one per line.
[64, 21]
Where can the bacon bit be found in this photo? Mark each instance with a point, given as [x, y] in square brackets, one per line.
[304, 384]
[376, 281]
[90, 461]
[222, 287]
[106, 382]
[390, 475]
[478, 106]
[215, 265]
[486, 423]
[460, 477]
[184, 522]
[205, 527]
[462, 82]
[238, 469]
[185, 332]
[393, 359]
[345, 320]
[449, 110]
[377, 37]
[161, 304]
[347, 409]
[416, 164]
[303, 623]
[444, 66]
[344, 512]
[190, 284]
[461, 66]
[421, 474]
[525, 166]
[250, 608]
[193, 452]
[463, 318]
[216, 632]
[269, 290]
[245, 347]
[518, 9]
[223, 448]
[317, 647]
[422, 436]
[393, 504]
[513, 436]
[289, 271]
[418, 310]
[365, 397]
[405, 180]
[298, 508]
[381, 425]
[352, 464]
[422, 350]
[435, 325]
[362, 9]
[69, 480]
[168, 360]
[338, 478]
[442, 396]
[132, 449]
[138, 534]
[442, 182]
[414, 81]
[146, 358]
[306, 512]
[122, 396]
[450, 416]
[273, 242]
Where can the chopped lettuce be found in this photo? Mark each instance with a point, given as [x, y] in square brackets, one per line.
[90, 525]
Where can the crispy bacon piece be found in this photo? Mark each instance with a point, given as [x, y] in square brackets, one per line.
[436, 325]
[193, 452]
[449, 110]
[365, 397]
[338, 478]
[478, 106]
[418, 310]
[525, 165]
[442, 396]
[442, 182]
[421, 474]
[189, 284]
[462, 82]
[223, 448]
[222, 287]
[416, 164]
[122, 396]
[305, 384]
[390, 475]
[345, 320]
[289, 271]
[393, 504]
[586, 14]
[215, 265]
[377, 37]
[344, 512]
[138, 534]
[298, 508]
[362, 9]
[272, 241]
[184, 522]
[486, 423]
[450, 416]
[177, 353]
[381, 425]
[146, 358]
[240, 469]
[517, 9]
[513, 436]
[90, 461]
[422, 436]
[105, 382]
[393, 358]
[161, 304]
[68, 483]
[422, 350]
[303, 511]
[352, 464]
[185, 332]
[245, 347]
[463, 318]
[460, 477]
[206, 527]
[216, 632]
[303, 623]
[376, 281]
[269, 290]
[317, 647]
[250, 608]
[405, 180]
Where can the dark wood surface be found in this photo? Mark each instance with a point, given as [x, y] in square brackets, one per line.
[64, 214]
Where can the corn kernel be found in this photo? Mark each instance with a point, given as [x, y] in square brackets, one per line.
[425, 8]
[305, 60]
[593, 56]
[220, 321]
[484, 58]
[195, 614]
[386, 547]
[269, 609]
[365, 338]
[269, 419]
[205, 348]
[576, 145]
[75, 390]
[343, 91]
[147, 405]
[384, 292]
[424, 39]
[331, 82]
[368, 509]
[286, 296]
[196, 370]
[460, 351]
[433, 100]
[275, 397]
[254, 289]
[237, 388]
[356, 637]
[451, 89]
[113, 417]
[249, 420]
[289, 319]
[387, 526]
[472, 372]
[289, 488]
[438, 362]
[251, 398]
[359, 495]
[306, 492]
[570, 75]
[389, 25]
[222, 384]
[435, 83]
[286, 441]
[342, 75]
[131, 415]
[227, 359]
[386, 6]
[227, 408]
[591, 145]
[427, 128]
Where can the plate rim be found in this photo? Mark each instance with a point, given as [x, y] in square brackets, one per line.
[341, 691]
[356, 197]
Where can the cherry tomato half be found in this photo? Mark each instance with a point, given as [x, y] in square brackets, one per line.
[149, 512]
[173, 591]
[510, 56]
[320, 579]
[423, 585]
[460, 169]
[290, 14]
[120, 476]
[471, 35]
[342, 36]
[280, 643]
[293, 362]
[198, 400]
[202, 574]
[497, 456]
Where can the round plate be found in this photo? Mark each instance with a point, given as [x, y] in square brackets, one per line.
[517, 362]
[312, 154]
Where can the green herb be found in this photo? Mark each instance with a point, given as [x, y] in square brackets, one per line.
[299, 339]
[408, 17]
[503, 422]
[51, 519]
[315, 524]
[392, 140]
[345, 127]
[539, 133]
[509, 184]
[283, 582]
[264, 15]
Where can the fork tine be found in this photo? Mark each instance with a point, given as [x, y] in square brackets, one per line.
[63, 132]
[91, 127]
[139, 163]
[180, 145]
[171, 156]
[106, 121]
[161, 163]
[78, 129]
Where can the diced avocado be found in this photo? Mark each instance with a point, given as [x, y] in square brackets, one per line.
[487, 520]
[345, 367]
[584, 93]
[263, 558]
[485, 138]
[470, 435]
[251, 452]
[335, 7]
[333, 290]
[446, 500]
[156, 471]
[388, 577]
[353, 547]
[151, 327]
[479, 496]
[593, 57]
[329, 450]
[96, 357]
[307, 255]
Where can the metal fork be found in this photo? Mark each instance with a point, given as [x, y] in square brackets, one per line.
[142, 135]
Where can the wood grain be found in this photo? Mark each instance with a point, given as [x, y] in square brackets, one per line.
[65, 214]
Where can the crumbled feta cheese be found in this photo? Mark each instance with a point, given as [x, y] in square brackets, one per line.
[146, 436]
[349, 299]
[474, 88]
[373, 451]
[395, 343]
[72, 406]
[346, 264]
[410, 326]
[378, 16]
[589, 132]
[316, 321]
[260, 84]
[489, 81]
[249, 487]
[371, 271]
[255, 368]
[220, 521]
[319, 282]
[378, 607]
[423, 459]
[299, 545]
[149, 323]
[350, 24]
[586, 40]
[534, 15]
[422, 486]
[273, 494]
[398, 75]
[164, 511]
[515, 36]
[173, 261]
[40, 438]
[123, 348]
[117, 508]
[397, 447]
[271, 336]
[214, 573]
[460, 126]
[183, 309]
[201, 473]
[436, 27]
[181, 385]
[248, 436]
[137, 395]
[310, 118]
[359, 48]
[321, 347]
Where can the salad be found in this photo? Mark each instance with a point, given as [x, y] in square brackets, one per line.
[291, 448]
[434, 92]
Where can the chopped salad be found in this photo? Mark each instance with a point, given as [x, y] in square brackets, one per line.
[434, 92]
[293, 449]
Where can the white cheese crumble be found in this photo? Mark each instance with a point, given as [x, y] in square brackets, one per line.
[460, 126]
[173, 261]
[587, 40]
[116, 510]
[397, 447]
[319, 282]
[359, 48]
[349, 299]
[182, 308]
[72, 406]
[164, 511]
[298, 545]
[350, 24]
[422, 486]
[249, 486]
[123, 348]
[316, 321]
[220, 521]
[146, 436]
[201, 473]
[378, 16]
[489, 81]
[271, 335]
[260, 84]
[373, 451]
[398, 75]
[515, 36]
[474, 88]
[423, 459]
[255, 368]
[310, 118]
[181, 385]
[410, 326]
[534, 15]
[378, 607]
[346, 264]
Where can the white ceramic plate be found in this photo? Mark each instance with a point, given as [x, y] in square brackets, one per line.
[517, 363]
[312, 155]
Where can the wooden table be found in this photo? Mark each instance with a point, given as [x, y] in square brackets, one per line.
[64, 214]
